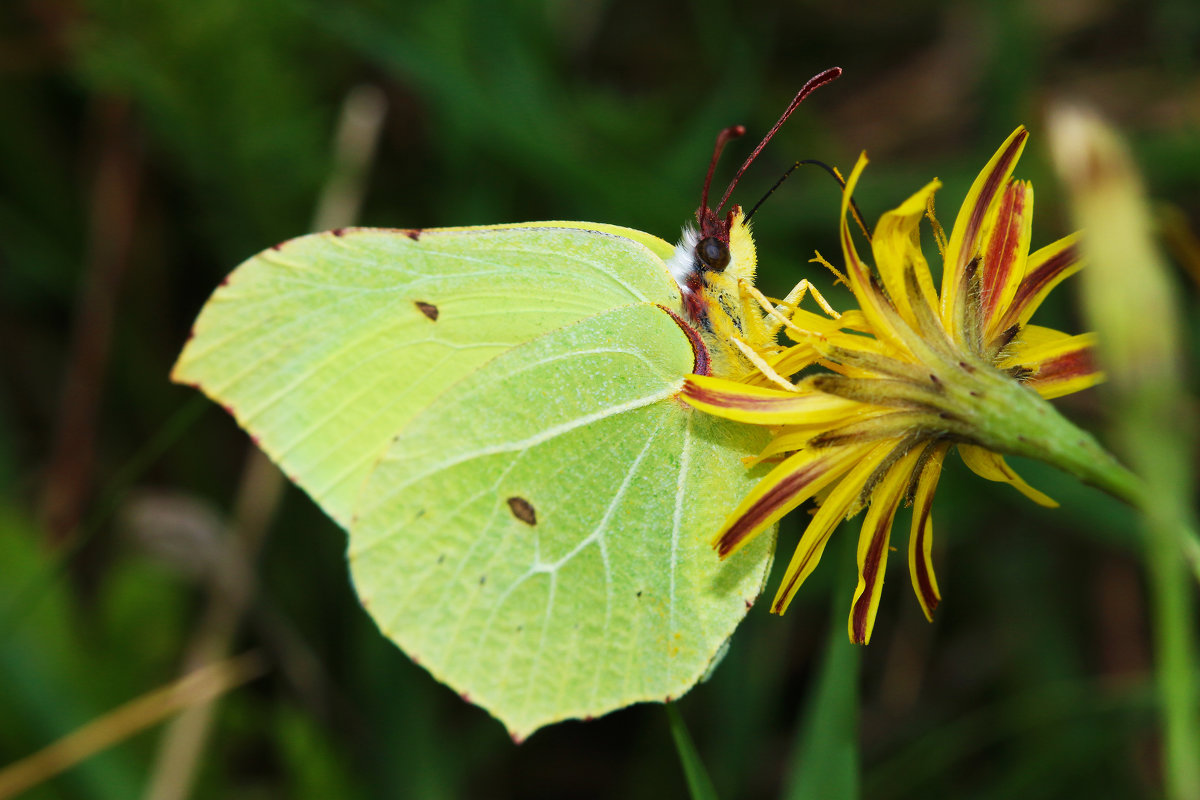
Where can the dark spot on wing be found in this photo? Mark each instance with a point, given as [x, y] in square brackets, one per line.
[428, 309]
[338, 231]
[482, 580]
[414, 234]
[522, 509]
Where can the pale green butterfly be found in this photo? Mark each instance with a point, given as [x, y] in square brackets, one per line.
[492, 414]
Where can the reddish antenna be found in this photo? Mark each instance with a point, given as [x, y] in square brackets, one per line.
[815, 82]
[723, 138]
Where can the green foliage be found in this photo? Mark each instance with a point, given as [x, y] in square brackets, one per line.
[825, 759]
[699, 784]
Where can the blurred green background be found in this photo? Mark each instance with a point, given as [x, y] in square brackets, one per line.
[147, 147]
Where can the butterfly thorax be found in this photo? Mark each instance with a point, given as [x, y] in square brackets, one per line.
[713, 266]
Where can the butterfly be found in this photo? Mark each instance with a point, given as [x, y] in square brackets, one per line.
[492, 413]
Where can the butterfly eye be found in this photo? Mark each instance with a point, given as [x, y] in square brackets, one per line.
[713, 253]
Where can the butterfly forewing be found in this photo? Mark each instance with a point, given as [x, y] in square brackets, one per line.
[327, 345]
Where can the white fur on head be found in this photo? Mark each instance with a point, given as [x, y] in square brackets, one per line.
[682, 262]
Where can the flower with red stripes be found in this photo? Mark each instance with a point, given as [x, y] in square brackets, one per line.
[911, 373]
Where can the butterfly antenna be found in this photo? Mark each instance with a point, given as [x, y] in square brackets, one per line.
[815, 82]
[837, 176]
[723, 138]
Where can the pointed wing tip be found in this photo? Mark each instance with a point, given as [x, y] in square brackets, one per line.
[178, 374]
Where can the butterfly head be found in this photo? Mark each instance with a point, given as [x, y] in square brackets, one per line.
[716, 260]
[716, 253]
[723, 245]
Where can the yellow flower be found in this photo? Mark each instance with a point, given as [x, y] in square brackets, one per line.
[912, 374]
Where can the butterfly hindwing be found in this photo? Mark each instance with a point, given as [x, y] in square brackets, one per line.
[538, 539]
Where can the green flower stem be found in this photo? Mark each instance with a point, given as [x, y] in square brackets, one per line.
[1012, 419]
[1161, 453]
[1008, 417]
[1175, 646]
[1130, 297]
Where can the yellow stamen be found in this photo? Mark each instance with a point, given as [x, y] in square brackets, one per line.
[762, 366]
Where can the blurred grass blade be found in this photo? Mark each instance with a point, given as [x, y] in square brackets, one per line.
[700, 787]
[825, 760]
[261, 486]
[135, 716]
[1129, 296]
[1181, 241]
[22, 604]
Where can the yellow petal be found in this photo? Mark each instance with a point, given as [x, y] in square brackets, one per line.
[832, 511]
[1005, 253]
[1032, 340]
[979, 205]
[790, 438]
[795, 358]
[760, 405]
[920, 537]
[808, 323]
[1059, 364]
[1046, 268]
[795, 480]
[873, 546]
[875, 307]
[853, 320]
[992, 466]
[896, 245]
